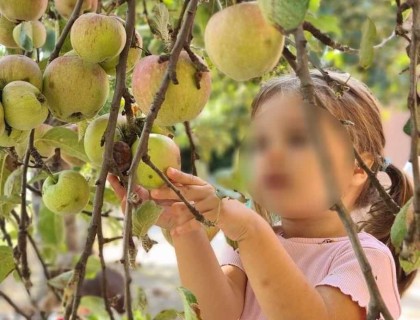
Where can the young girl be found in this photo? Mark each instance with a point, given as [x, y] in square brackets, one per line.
[305, 268]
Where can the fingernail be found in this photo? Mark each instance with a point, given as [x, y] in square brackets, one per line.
[154, 193]
[171, 170]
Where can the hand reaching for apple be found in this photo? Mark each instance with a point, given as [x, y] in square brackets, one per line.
[233, 216]
[169, 217]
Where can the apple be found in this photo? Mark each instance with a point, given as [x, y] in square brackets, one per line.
[65, 7]
[96, 37]
[2, 124]
[75, 89]
[19, 67]
[164, 153]
[93, 137]
[183, 102]
[13, 137]
[66, 193]
[6, 33]
[240, 42]
[24, 106]
[134, 54]
[23, 10]
[33, 30]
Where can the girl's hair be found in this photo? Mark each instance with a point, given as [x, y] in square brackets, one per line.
[349, 99]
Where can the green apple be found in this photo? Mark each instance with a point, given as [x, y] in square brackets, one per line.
[164, 153]
[240, 42]
[134, 54]
[93, 137]
[183, 102]
[6, 33]
[75, 89]
[24, 106]
[96, 37]
[11, 138]
[19, 67]
[67, 193]
[23, 10]
[65, 7]
[30, 34]
[2, 124]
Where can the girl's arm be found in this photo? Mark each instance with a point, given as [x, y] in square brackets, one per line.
[281, 288]
[219, 296]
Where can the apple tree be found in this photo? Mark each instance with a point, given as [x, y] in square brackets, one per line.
[129, 88]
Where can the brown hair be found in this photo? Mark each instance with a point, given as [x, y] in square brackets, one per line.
[348, 99]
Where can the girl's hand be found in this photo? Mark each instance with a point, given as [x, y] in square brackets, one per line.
[166, 220]
[233, 217]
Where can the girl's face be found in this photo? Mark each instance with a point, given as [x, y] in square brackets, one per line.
[287, 176]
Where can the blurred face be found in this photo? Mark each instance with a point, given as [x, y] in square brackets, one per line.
[287, 176]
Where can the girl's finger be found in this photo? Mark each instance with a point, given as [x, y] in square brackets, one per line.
[115, 184]
[184, 178]
[191, 225]
[191, 192]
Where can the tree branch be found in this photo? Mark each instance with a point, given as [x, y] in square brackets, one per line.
[66, 30]
[17, 309]
[103, 267]
[376, 303]
[413, 234]
[44, 266]
[24, 221]
[194, 154]
[80, 268]
[395, 208]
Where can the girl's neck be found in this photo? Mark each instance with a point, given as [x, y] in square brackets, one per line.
[328, 226]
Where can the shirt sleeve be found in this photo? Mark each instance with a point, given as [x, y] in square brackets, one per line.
[230, 256]
[346, 275]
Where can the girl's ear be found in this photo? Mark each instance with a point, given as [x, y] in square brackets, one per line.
[359, 175]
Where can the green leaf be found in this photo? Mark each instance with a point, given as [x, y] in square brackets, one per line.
[367, 51]
[170, 314]
[145, 217]
[159, 22]
[411, 263]
[314, 5]
[23, 35]
[50, 226]
[93, 266]
[95, 307]
[12, 191]
[7, 263]
[61, 281]
[67, 140]
[81, 129]
[191, 310]
[284, 14]
[399, 227]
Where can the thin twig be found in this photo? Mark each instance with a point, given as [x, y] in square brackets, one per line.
[394, 207]
[194, 211]
[17, 309]
[66, 30]
[376, 303]
[413, 234]
[103, 215]
[80, 268]
[24, 221]
[108, 240]
[399, 30]
[290, 58]
[34, 190]
[44, 266]
[194, 154]
[103, 267]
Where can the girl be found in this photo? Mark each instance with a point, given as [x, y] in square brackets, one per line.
[305, 268]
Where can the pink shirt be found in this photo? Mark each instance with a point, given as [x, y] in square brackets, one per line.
[331, 262]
